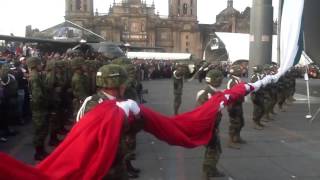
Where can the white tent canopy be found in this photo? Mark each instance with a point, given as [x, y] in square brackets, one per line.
[238, 45]
[158, 56]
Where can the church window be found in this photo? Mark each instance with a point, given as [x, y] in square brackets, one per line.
[178, 11]
[191, 11]
[179, 2]
[191, 2]
[187, 44]
[78, 4]
[187, 37]
[70, 6]
[187, 50]
[185, 8]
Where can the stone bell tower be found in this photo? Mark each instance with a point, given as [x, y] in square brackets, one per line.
[183, 8]
[79, 11]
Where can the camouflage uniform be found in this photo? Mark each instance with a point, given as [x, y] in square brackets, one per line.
[257, 99]
[235, 110]
[111, 76]
[79, 84]
[213, 149]
[282, 92]
[177, 88]
[54, 101]
[268, 93]
[130, 93]
[292, 84]
[38, 106]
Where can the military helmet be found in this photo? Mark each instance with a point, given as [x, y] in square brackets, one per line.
[236, 70]
[257, 69]
[33, 62]
[126, 64]
[267, 68]
[77, 63]
[111, 76]
[214, 77]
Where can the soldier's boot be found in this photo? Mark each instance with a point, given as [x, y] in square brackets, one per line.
[268, 117]
[273, 112]
[40, 153]
[232, 144]
[240, 140]
[54, 140]
[216, 173]
[132, 169]
[258, 126]
[265, 118]
[132, 175]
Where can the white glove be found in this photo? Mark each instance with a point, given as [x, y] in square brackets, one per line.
[128, 106]
[125, 106]
[134, 107]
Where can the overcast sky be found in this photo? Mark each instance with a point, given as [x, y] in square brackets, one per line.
[42, 14]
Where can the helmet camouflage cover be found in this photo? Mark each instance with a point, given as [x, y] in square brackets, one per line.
[127, 65]
[33, 62]
[235, 70]
[257, 69]
[214, 77]
[111, 76]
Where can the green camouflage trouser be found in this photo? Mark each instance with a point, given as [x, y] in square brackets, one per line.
[236, 120]
[177, 102]
[258, 107]
[41, 125]
[212, 156]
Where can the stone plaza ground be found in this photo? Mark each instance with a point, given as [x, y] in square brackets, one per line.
[288, 148]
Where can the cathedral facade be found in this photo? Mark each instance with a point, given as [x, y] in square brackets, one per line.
[137, 23]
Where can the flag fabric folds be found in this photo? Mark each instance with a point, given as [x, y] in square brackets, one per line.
[291, 42]
[90, 148]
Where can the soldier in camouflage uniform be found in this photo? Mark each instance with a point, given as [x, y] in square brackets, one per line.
[292, 84]
[38, 106]
[269, 94]
[213, 149]
[111, 83]
[235, 110]
[54, 101]
[257, 99]
[79, 84]
[130, 93]
[178, 75]
[282, 92]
